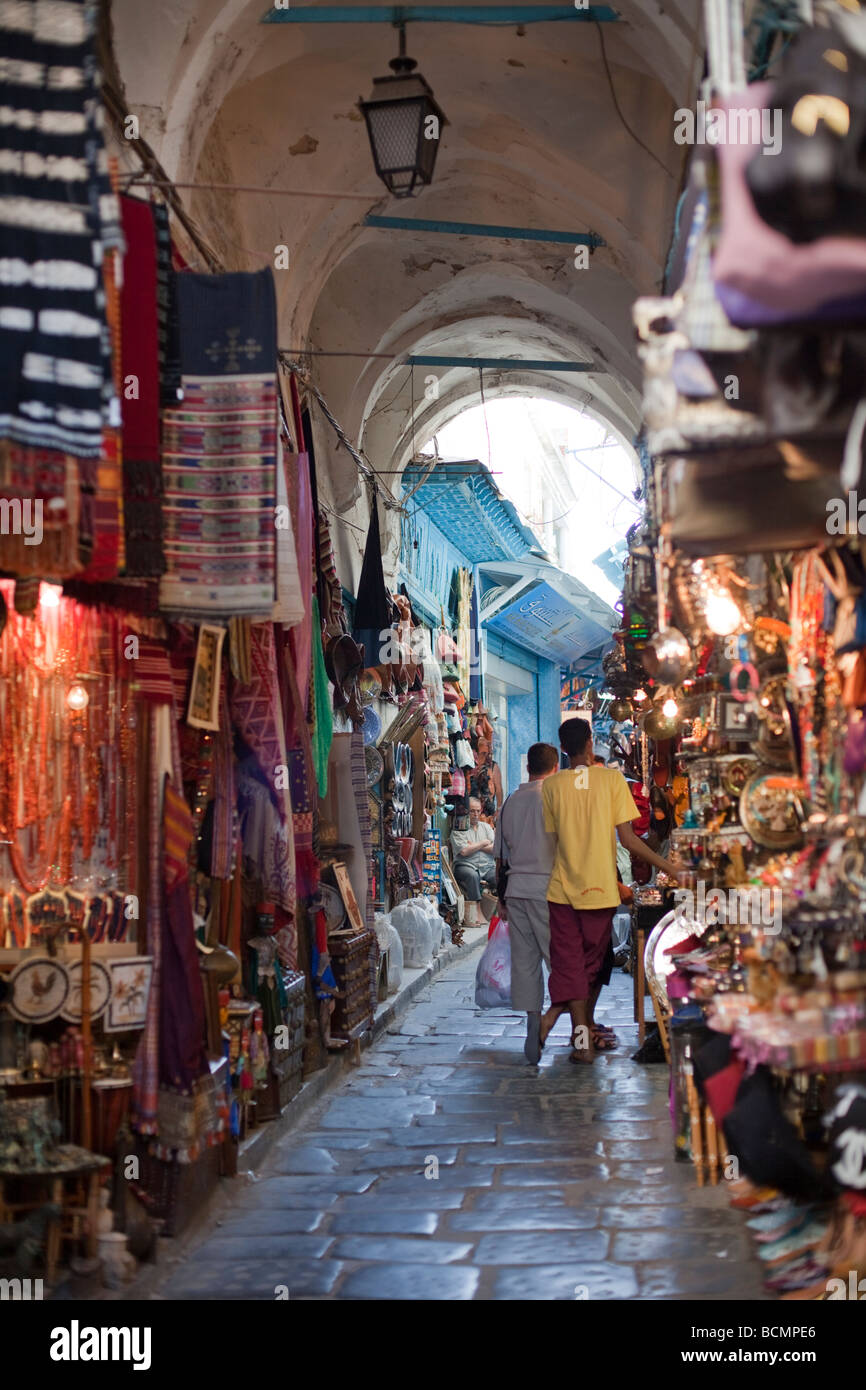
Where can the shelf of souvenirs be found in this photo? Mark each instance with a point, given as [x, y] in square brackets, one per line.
[820, 1030]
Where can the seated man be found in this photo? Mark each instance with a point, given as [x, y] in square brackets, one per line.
[473, 863]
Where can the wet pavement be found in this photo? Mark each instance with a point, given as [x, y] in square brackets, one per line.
[445, 1167]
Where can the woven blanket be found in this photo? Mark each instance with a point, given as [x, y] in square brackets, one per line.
[57, 212]
[219, 450]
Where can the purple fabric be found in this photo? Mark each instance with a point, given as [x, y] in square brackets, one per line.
[746, 312]
[182, 1050]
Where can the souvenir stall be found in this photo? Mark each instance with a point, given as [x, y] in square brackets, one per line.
[738, 669]
[170, 655]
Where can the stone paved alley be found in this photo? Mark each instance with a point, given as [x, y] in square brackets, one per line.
[548, 1181]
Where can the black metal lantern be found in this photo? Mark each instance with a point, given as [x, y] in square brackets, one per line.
[404, 123]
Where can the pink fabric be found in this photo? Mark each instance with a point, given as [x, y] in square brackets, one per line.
[301, 505]
[760, 262]
[578, 944]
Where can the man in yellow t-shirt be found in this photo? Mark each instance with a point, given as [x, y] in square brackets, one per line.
[585, 807]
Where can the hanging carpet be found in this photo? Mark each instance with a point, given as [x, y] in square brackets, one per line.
[219, 450]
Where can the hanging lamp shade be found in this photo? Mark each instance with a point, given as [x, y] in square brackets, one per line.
[404, 123]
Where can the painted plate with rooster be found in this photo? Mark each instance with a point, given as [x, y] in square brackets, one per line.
[38, 989]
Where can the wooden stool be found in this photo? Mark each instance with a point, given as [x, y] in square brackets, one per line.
[74, 1187]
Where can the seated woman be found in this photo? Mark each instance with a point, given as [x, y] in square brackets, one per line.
[473, 863]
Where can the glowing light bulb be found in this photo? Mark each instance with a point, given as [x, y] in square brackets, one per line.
[722, 614]
[639, 696]
[670, 708]
[49, 595]
[77, 698]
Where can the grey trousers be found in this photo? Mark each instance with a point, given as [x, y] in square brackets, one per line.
[529, 930]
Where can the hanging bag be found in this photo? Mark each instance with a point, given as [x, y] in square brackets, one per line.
[493, 976]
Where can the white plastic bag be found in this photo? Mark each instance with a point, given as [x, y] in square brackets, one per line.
[395, 958]
[493, 976]
[413, 926]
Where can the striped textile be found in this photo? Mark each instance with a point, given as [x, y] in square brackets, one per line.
[152, 675]
[179, 831]
[57, 214]
[219, 450]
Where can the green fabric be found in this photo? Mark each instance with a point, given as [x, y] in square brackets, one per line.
[322, 732]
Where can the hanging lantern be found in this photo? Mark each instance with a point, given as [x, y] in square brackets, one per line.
[620, 711]
[404, 124]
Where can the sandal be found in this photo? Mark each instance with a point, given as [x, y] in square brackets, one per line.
[603, 1040]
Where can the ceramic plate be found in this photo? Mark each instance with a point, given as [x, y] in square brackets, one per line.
[375, 765]
[100, 990]
[38, 989]
[372, 725]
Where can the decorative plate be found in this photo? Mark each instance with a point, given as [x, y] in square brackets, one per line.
[369, 686]
[372, 725]
[335, 908]
[772, 809]
[375, 765]
[38, 989]
[736, 774]
[100, 991]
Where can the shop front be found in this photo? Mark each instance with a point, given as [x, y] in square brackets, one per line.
[737, 673]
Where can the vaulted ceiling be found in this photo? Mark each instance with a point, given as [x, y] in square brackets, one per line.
[534, 139]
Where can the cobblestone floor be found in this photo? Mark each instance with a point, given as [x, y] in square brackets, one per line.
[553, 1183]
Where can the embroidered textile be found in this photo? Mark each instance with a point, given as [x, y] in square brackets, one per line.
[219, 450]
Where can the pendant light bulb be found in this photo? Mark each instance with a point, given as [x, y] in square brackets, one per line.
[722, 614]
[639, 696]
[77, 698]
[49, 595]
[670, 708]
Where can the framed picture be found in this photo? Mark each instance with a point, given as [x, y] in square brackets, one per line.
[738, 722]
[344, 883]
[130, 989]
[204, 694]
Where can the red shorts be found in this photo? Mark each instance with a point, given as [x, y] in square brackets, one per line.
[579, 938]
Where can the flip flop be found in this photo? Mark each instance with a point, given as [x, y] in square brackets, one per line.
[604, 1040]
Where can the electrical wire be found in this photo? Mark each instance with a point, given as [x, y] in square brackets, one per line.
[625, 123]
[364, 466]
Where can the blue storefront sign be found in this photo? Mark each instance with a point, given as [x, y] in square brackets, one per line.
[545, 622]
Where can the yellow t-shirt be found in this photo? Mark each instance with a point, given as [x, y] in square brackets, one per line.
[582, 807]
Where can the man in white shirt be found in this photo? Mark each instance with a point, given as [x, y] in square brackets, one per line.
[473, 863]
[527, 849]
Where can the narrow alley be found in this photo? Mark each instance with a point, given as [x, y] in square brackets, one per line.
[445, 1167]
